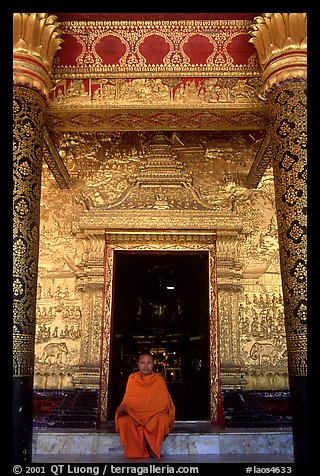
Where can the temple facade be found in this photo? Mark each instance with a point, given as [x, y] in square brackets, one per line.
[163, 137]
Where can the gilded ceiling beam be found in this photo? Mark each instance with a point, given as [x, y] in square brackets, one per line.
[281, 43]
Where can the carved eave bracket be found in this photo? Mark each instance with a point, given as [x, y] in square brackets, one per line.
[36, 39]
[260, 163]
[281, 42]
[55, 163]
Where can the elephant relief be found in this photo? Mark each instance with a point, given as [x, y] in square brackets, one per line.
[264, 352]
[54, 352]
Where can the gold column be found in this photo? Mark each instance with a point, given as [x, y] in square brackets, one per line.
[35, 41]
[281, 43]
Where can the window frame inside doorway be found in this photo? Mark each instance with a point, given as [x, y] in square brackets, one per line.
[162, 240]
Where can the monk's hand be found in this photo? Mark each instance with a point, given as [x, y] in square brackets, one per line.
[121, 410]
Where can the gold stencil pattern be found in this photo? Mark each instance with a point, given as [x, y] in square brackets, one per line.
[288, 116]
[28, 107]
[158, 182]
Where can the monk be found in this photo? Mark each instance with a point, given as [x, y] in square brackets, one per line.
[145, 416]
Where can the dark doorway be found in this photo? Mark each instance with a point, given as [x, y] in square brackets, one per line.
[161, 304]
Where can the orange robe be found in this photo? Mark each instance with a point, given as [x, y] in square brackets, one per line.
[150, 415]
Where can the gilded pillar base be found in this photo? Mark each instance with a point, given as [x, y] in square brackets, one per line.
[22, 419]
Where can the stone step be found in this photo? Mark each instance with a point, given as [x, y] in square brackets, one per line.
[179, 442]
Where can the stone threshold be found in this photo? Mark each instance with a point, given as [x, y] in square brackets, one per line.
[179, 441]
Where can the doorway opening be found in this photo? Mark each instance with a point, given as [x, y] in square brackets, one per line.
[161, 304]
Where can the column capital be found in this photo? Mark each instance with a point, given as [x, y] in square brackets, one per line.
[281, 43]
[36, 39]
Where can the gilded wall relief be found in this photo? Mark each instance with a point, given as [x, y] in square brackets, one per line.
[260, 313]
[164, 92]
[114, 104]
[179, 178]
[58, 331]
[211, 165]
[263, 340]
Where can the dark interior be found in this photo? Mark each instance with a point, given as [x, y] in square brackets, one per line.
[161, 304]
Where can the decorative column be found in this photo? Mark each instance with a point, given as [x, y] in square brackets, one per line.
[35, 42]
[281, 43]
[230, 291]
[90, 281]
